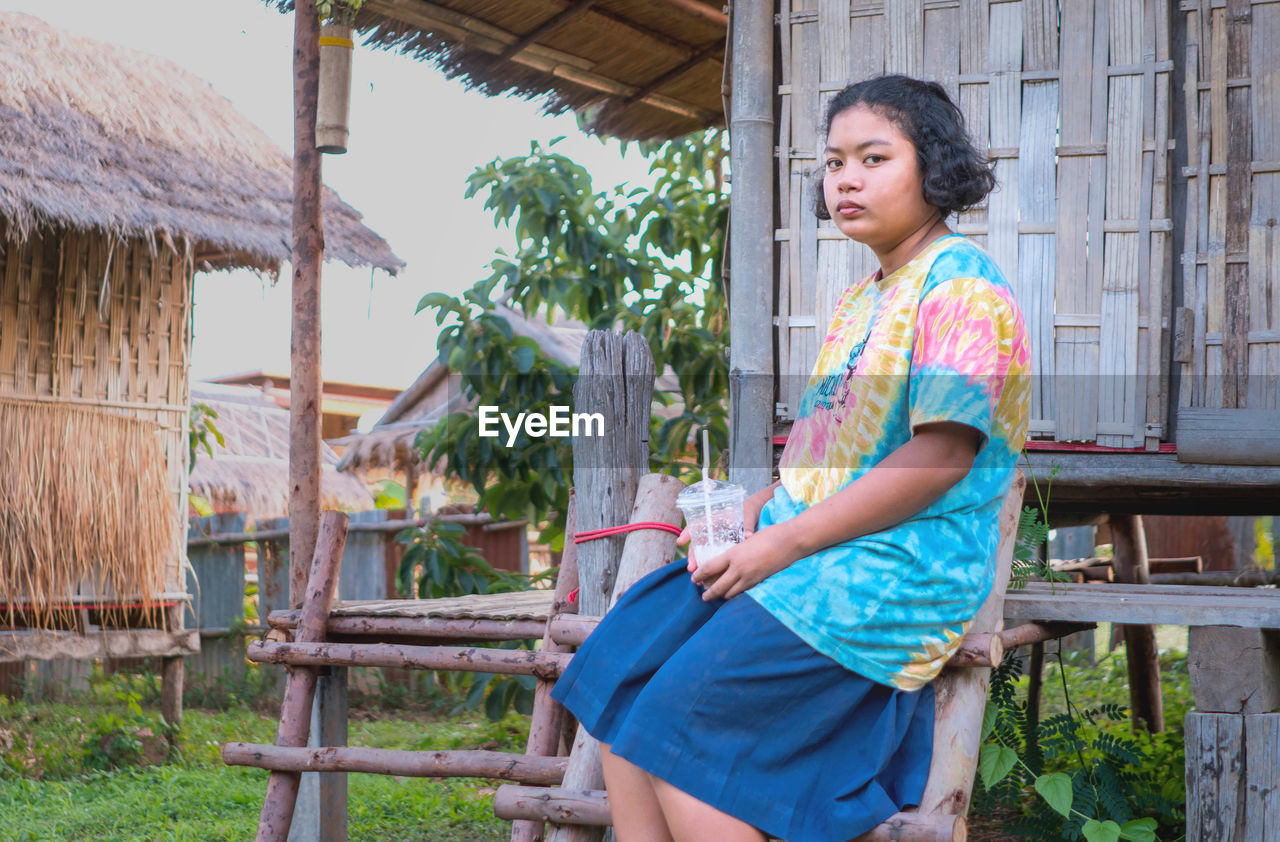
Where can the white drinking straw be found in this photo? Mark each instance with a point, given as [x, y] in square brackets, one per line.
[706, 484]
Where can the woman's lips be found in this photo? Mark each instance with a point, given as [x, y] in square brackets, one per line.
[849, 209]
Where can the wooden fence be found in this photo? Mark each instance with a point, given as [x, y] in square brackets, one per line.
[225, 560]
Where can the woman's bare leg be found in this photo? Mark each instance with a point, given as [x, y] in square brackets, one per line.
[691, 820]
[637, 815]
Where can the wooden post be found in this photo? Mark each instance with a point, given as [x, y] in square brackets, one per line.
[321, 811]
[308, 254]
[548, 715]
[1233, 777]
[643, 552]
[172, 677]
[295, 710]
[961, 695]
[1131, 567]
[615, 379]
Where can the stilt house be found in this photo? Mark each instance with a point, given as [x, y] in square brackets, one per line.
[121, 176]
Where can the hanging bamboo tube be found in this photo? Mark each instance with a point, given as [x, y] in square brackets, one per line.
[300, 687]
[333, 105]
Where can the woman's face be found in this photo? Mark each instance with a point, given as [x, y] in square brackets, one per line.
[873, 183]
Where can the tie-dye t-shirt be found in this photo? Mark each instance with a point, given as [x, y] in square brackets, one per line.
[941, 339]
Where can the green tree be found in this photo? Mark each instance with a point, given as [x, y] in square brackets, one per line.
[647, 260]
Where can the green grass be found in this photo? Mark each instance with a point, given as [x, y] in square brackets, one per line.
[48, 790]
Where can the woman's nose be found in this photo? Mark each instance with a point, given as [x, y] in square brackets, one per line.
[848, 180]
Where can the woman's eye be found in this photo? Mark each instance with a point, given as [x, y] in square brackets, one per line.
[833, 164]
[873, 159]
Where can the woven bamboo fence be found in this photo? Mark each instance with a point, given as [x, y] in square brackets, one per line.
[1072, 100]
[94, 347]
[1229, 329]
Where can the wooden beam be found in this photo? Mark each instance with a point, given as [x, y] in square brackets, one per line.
[591, 807]
[492, 39]
[1149, 604]
[308, 254]
[546, 665]
[420, 627]
[544, 771]
[16, 646]
[555, 22]
[674, 73]
[701, 10]
[1130, 565]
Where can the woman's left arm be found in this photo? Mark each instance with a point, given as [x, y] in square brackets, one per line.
[905, 482]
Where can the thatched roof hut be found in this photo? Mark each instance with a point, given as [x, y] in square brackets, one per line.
[103, 138]
[637, 68]
[120, 176]
[249, 470]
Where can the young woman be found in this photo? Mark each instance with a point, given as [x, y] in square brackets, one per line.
[804, 711]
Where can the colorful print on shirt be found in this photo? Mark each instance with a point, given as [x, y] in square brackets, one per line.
[941, 339]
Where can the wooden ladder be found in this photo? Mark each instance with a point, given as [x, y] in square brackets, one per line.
[549, 787]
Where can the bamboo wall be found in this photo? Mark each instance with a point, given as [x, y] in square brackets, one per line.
[92, 325]
[1229, 327]
[1072, 99]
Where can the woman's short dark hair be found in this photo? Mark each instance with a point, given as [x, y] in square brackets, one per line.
[956, 175]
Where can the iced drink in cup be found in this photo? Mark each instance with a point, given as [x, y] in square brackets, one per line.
[713, 511]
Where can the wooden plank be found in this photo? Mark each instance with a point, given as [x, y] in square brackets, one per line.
[1229, 436]
[1037, 257]
[1159, 279]
[1006, 117]
[1234, 670]
[785, 214]
[1139, 604]
[806, 56]
[1262, 789]
[1264, 239]
[904, 38]
[1214, 761]
[974, 97]
[942, 48]
[49, 645]
[1074, 361]
[1239, 197]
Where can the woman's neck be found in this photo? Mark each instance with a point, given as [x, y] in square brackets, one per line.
[911, 245]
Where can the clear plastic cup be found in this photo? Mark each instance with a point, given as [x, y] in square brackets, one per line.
[722, 501]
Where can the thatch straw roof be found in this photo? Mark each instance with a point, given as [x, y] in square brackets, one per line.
[640, 68]
[100, 137]
[249, 472]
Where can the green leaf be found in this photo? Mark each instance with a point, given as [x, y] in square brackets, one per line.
[988, 722]
[995, 761]
[523, 357]
[1096, 831]
[1139, 830]
[1056, 789]
[435, 299]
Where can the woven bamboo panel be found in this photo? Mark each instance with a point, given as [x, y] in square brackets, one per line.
[98, 322]
[1231, 248]
[1072, 100]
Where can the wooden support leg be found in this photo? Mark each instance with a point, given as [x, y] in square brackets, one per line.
[548, 715]
[321, 814]
[172, 675]
[644, 551]
[295, 711]
[1130, 566]
[1233, 777]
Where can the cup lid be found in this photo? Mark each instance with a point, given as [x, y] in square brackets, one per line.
[712, 491]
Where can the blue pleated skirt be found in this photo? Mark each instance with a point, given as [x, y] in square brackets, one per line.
[725, 703]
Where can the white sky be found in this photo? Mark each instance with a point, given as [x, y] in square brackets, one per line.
[415, 137]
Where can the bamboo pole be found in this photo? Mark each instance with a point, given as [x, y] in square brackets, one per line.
[590, 808]
[547, 665]
[300, 686]
[308, 254]
[548, 715]
[414, 627]
[961, 695]
[544, 771]
[644, 551]
[978, 649]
